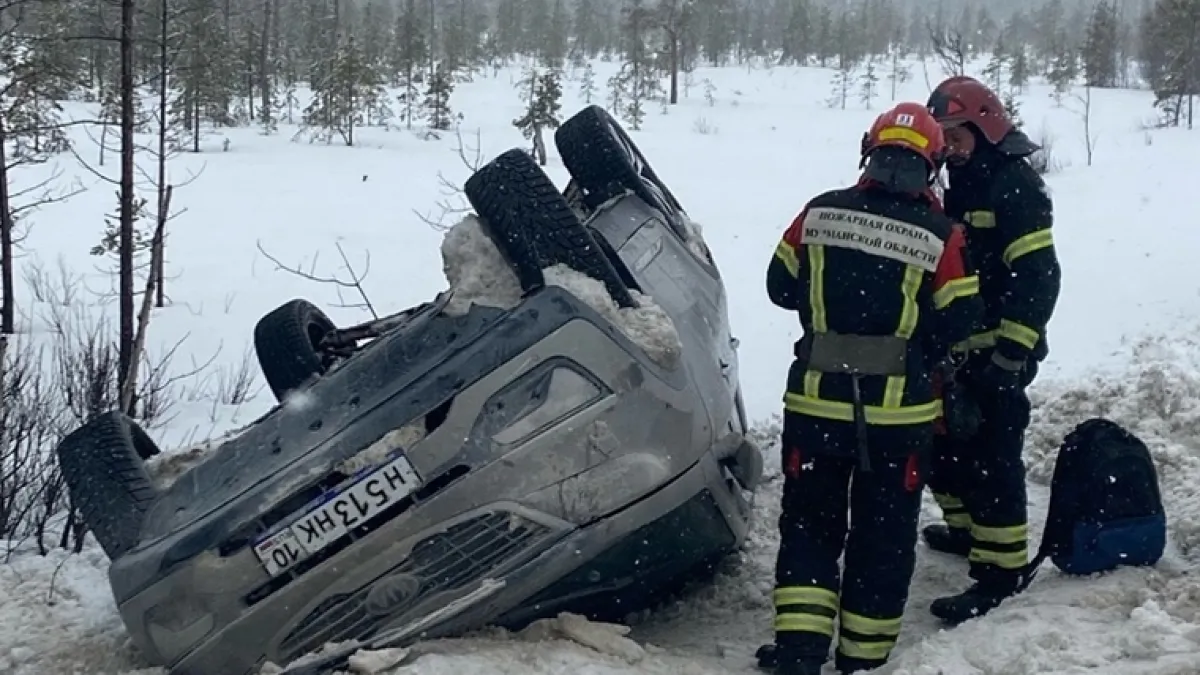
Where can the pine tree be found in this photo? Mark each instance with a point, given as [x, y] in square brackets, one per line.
[1063, 71]
[204, 71]
[407, 53]
[587, 83]
[437, 99]
[899, 73]
[636, 82]
[350, 94]
[1100, 46]
[843, 80]
[544, 94]
[1018, 74]
[1170, 52]
[997, 65]
[868, 85]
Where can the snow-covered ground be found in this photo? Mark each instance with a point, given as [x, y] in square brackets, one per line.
[1120, 347]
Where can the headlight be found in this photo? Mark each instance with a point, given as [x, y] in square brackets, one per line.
[550, 396]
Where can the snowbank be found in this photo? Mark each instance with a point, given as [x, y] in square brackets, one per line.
[479, 275]
[1130, 622]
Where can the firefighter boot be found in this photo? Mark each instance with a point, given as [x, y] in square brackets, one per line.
[799, 668]
[979, 599]
[768, 660]
[848, 666]
[946, 539]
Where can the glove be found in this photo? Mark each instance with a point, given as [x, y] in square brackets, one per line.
[1003, 374]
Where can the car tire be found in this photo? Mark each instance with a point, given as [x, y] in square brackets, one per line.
[287, 343]
[605, 161]
[534, 227]
[102, 466]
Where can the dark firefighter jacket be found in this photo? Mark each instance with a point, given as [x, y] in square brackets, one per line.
[1008, 214]
[865, 262]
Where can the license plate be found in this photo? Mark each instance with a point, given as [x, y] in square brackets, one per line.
[339, 513]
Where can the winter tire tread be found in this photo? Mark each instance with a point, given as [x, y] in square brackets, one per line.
[102, 466]
[535, 227]
[284, 346]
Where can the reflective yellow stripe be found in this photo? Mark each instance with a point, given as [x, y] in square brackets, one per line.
[869, 651]
[977, 341]
[893, 392]
[816, 287]
[812, 383]
[876, 415]
[953, 290]
[806, 595]
[816, 302]
[946, 501]
[1008, 560]
[1019, 333]
[954, 512]
[906, 134]
[981, 219]
[1013, 534]
[910, 313]
[863, 637]
[865, 625]
[804, 623]
[1030, 243]
[787, 255]
[958, 521]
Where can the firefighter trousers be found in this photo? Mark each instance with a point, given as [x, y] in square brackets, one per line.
[867, 600]
[979, 483]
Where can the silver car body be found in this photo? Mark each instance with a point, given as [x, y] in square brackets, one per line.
[550, 462]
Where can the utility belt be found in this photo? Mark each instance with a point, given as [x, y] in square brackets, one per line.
[856, 356]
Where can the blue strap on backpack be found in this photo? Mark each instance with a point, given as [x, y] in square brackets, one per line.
[1106, 508]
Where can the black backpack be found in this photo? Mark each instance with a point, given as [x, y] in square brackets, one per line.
[1105, 508]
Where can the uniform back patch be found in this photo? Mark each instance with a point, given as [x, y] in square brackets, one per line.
[874, 235]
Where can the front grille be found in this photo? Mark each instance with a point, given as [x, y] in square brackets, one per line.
[446, 561]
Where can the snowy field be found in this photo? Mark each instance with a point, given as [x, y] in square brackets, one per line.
[743, 166]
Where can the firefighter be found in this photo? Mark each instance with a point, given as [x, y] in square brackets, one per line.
[979, 481]
[883, 288]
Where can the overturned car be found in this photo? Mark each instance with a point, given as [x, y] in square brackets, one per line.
[561, 431]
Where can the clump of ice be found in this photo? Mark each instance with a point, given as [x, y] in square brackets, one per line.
[477, 272]
[695, 240]
[377, 453]
[606, 638]
[647, 325]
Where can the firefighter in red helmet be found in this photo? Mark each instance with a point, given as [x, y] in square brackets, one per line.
[979, 479]
[882, 287]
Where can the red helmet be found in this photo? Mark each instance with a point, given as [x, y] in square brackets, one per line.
[911, 127]
[962, 99]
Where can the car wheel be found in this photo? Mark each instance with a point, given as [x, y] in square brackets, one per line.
[287, 342]
[534, 226]
[605, 161]
[102, 466]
